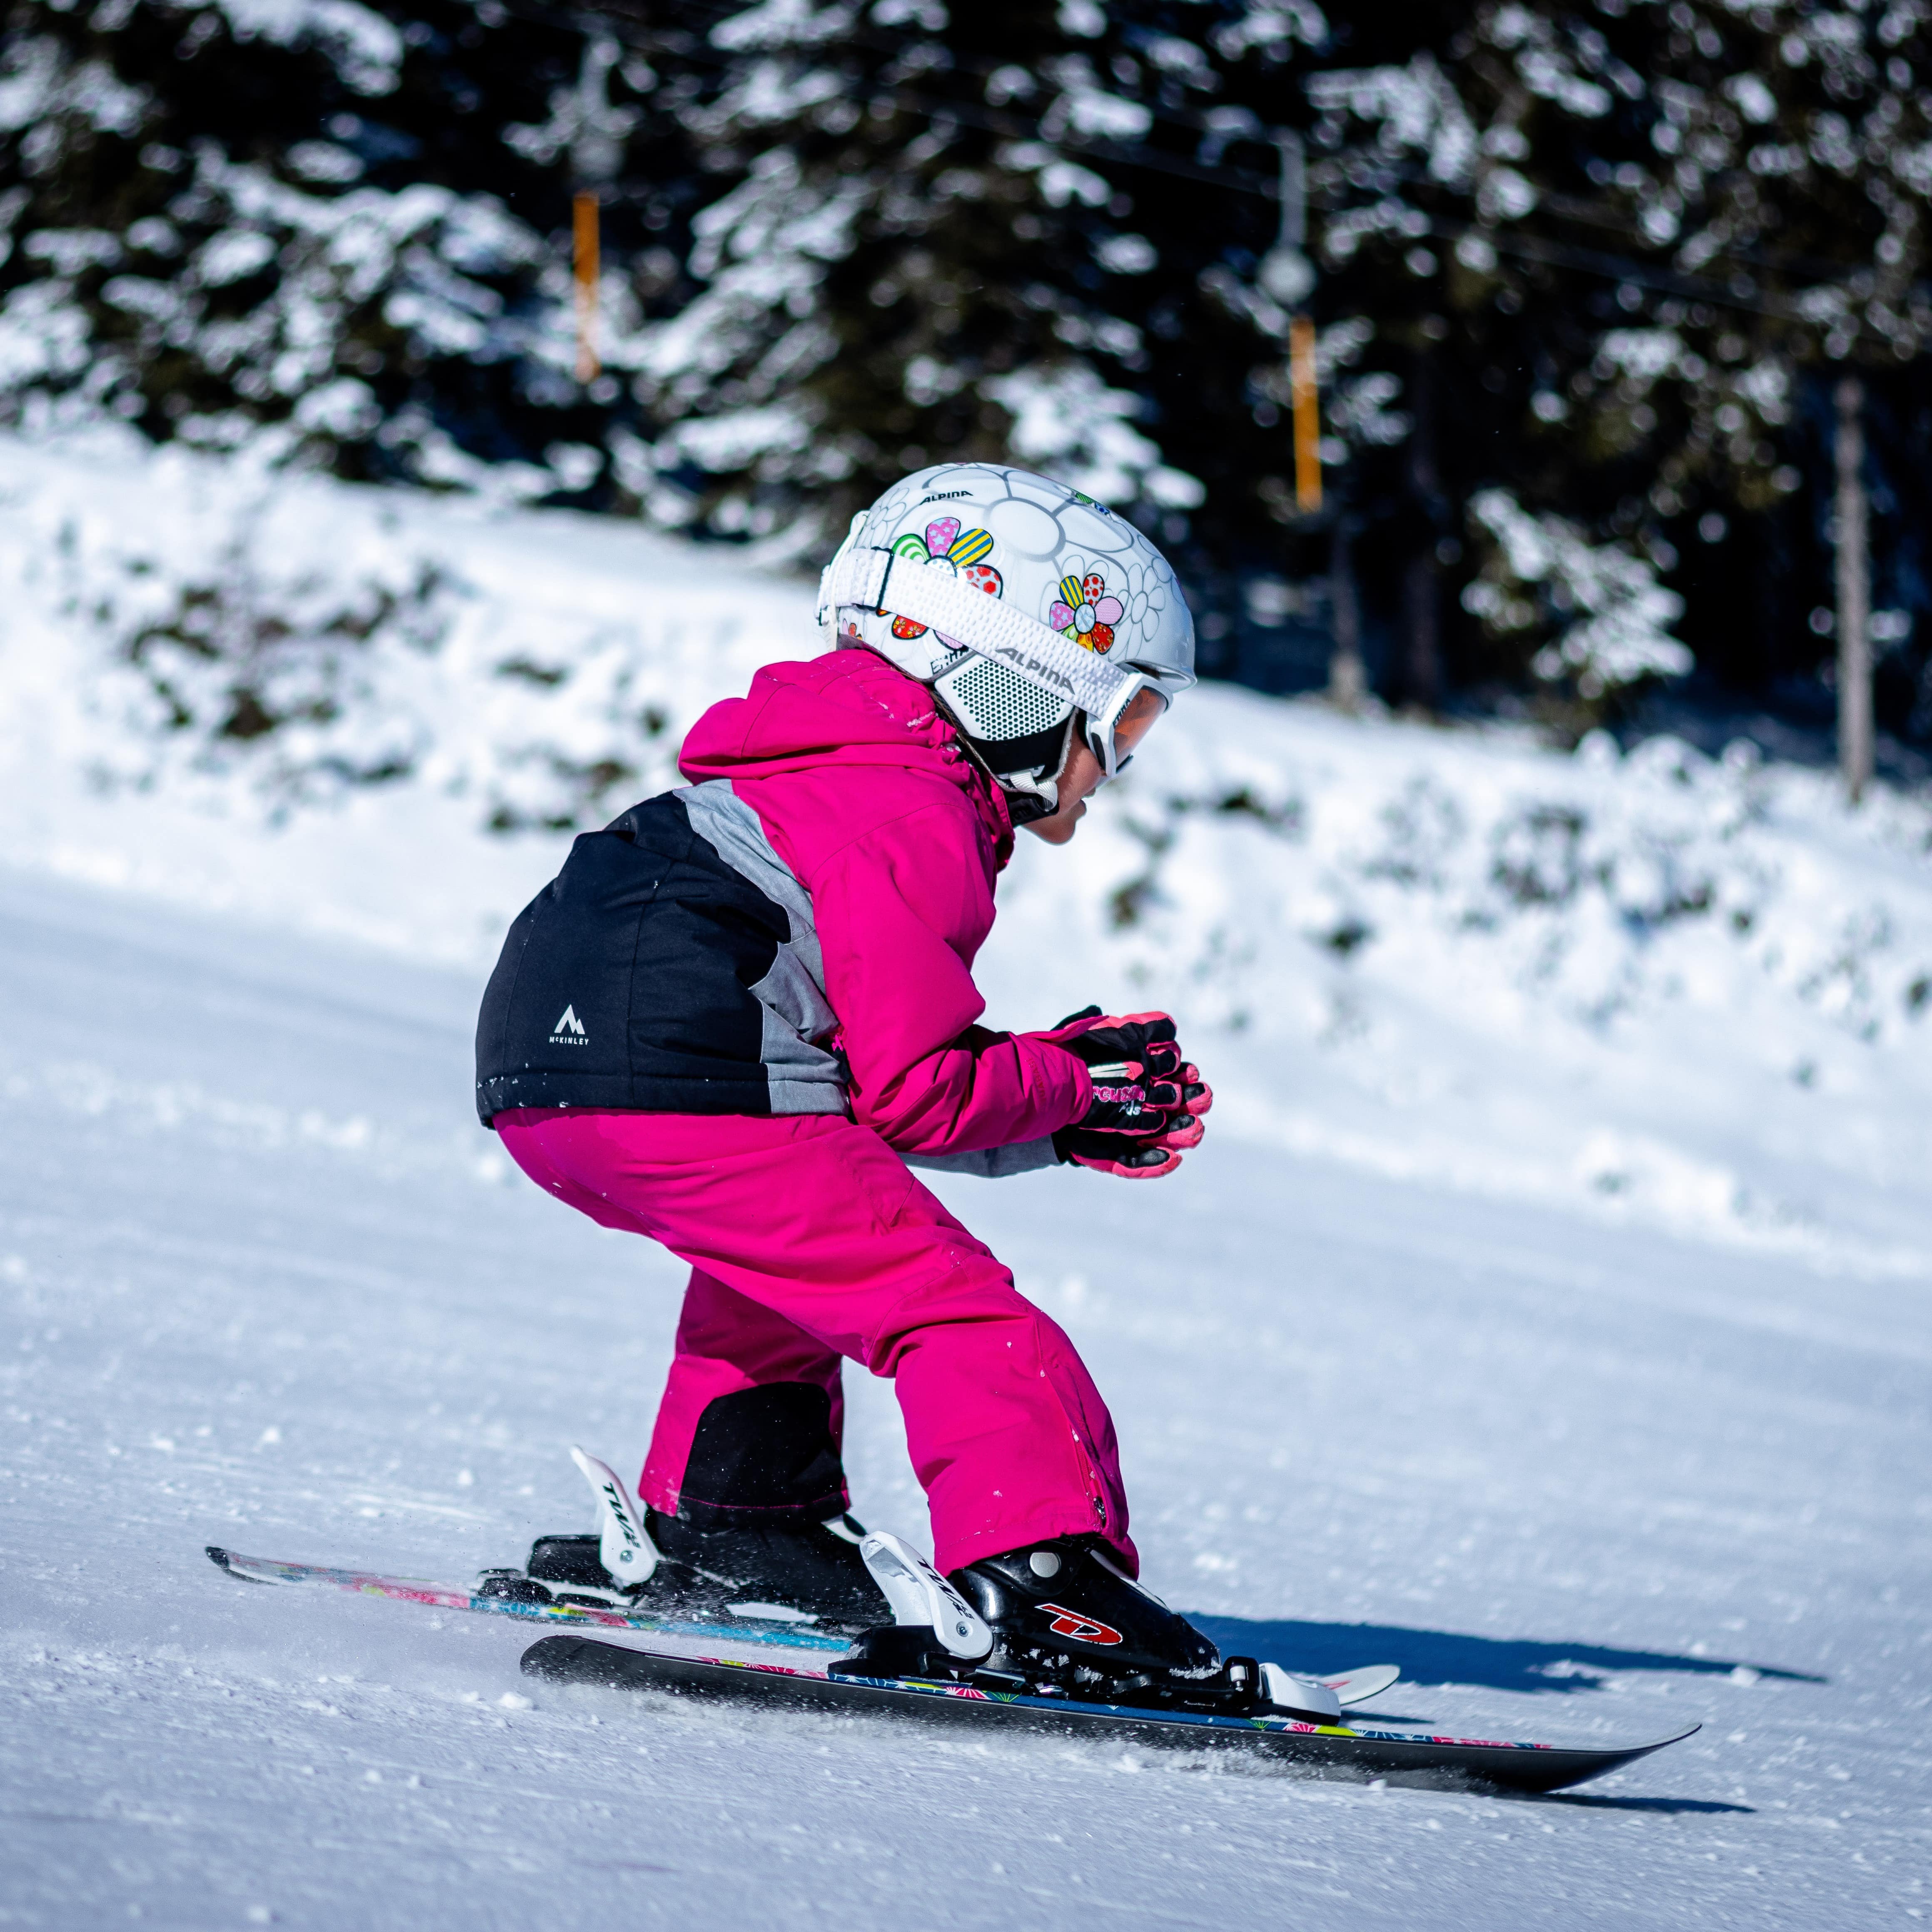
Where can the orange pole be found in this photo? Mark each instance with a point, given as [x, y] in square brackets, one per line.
[1307, 414]
[584, 233]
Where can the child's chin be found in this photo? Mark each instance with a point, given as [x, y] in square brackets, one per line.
[1060, 827]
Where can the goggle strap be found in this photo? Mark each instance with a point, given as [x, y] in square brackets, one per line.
[880, 579]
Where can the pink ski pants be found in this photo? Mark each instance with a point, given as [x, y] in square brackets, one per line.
[809, 1240]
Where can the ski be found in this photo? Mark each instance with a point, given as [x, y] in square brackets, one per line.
[1337, 1751]
[788, 1636]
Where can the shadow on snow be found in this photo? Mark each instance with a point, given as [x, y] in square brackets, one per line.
[1446, 1657]
[1667, 1807]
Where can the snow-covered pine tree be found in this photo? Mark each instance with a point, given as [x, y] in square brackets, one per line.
[1630, 228]
[978, 232]
[1590, 253]
[1437, 170]
[1783, 177]
[1776, 189]
[339, 231]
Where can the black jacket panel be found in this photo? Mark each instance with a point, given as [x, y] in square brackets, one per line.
[625, 982]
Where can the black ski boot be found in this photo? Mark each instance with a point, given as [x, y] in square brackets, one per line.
[1056, 1618]
[1065, 1613]
[805, 1570]
[778, 1552]
[811, 1569]
[569, 1569]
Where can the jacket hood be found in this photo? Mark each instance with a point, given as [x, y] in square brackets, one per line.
[848, 709]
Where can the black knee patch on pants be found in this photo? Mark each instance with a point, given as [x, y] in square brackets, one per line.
[763, 1450]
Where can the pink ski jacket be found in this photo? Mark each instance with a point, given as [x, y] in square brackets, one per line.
[793, 932]
[897, 837]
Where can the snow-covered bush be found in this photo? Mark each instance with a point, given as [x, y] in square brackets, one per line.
[1604, 888]
[277, 677]
[288, 641]
[1606, 617]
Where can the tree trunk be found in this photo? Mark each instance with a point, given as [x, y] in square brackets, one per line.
[1854, 586]
[1422, 668]
[1421, 679]
[1348, 683]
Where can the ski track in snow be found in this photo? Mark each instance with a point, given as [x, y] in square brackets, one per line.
[266, 1288]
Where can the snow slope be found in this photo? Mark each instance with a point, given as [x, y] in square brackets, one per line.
[1547, 1309]
[266, 1286]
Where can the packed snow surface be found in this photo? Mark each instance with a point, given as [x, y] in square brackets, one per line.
[1547, 1310]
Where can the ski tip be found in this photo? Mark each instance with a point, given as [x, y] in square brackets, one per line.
[1613, 1758]
[565, 1659]
[225, 1561]
[1675, 1737]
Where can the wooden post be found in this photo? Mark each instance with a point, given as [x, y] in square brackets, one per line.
[587, 268]
[1854, 588]
[1306, 400]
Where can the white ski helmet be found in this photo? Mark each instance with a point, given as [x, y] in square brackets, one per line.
[1021, 602]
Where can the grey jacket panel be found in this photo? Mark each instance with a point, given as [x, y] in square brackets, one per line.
[991, 1163]
[794, 996]
[719, 814]
[803, 1078]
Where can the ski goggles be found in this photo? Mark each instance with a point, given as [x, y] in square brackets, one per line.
[1115, 737]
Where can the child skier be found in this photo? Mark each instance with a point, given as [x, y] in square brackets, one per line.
[742, 1008]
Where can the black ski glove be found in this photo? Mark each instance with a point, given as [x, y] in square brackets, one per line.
[1148, 1097]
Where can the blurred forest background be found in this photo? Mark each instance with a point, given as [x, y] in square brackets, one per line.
[1585, 279]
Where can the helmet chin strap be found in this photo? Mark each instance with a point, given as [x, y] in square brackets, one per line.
[1028, 799]
[1028, 807]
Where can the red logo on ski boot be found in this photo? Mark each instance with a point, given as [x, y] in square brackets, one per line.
[1071, 1623]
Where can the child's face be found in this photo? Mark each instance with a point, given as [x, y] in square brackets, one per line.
[1083, 775]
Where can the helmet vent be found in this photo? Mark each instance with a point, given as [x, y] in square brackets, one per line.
[995, 702]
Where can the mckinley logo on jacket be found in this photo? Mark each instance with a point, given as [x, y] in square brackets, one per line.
[569, 1030]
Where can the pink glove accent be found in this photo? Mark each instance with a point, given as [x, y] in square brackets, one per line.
[1148, 1097]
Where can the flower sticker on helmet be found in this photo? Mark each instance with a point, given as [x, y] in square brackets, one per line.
[944, 542]
[1085, 613]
